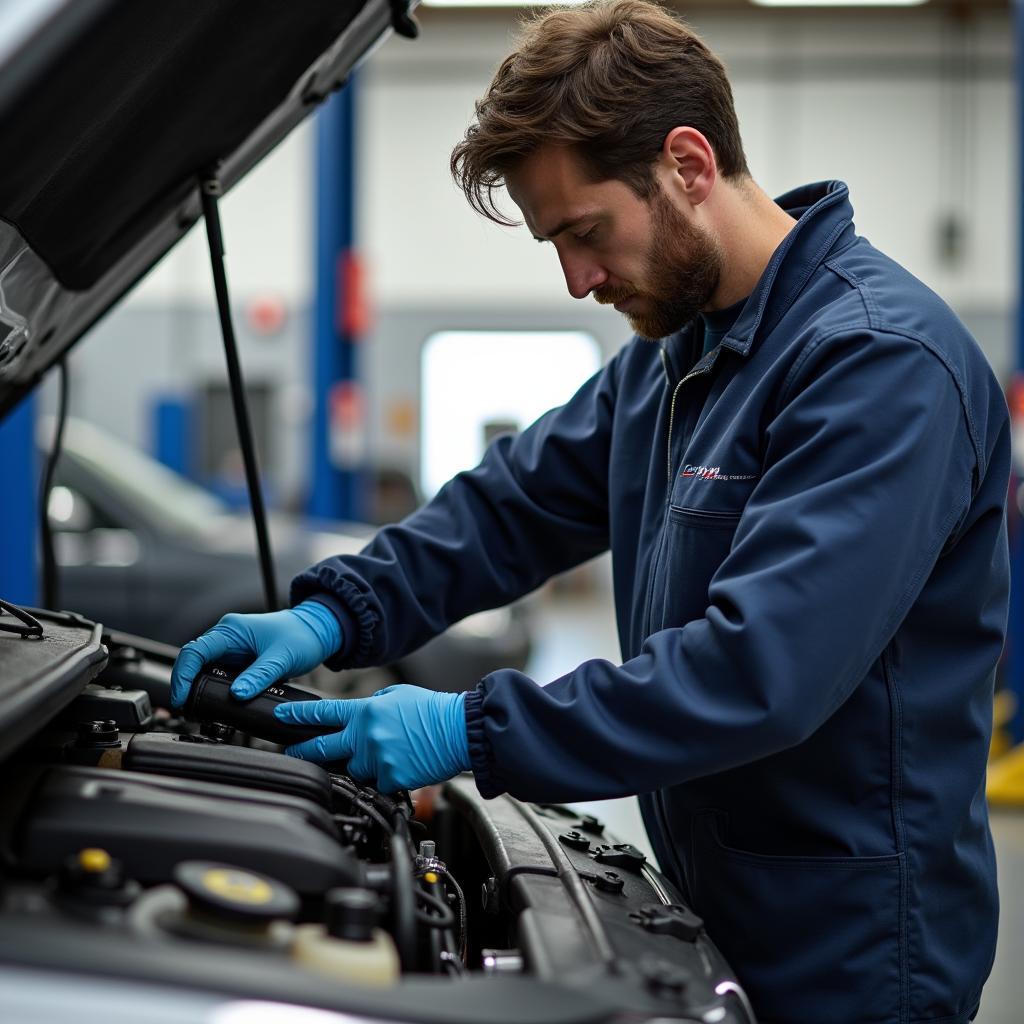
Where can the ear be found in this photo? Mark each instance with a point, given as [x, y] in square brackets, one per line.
[690, 161]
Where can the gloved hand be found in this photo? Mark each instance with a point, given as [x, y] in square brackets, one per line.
[402, 737]
[285, 643]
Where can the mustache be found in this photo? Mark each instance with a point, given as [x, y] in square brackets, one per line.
[609, 296]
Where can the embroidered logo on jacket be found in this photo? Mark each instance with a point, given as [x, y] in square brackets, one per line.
[713, 473]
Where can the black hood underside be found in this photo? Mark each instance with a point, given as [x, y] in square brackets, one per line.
[110, 110]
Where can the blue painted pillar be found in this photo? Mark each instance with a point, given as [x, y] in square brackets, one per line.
[171, 440]
[338, 431]
[19, 484]
[1015, 632]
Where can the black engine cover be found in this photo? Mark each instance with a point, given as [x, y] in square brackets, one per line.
[151, 823]
[187, 757]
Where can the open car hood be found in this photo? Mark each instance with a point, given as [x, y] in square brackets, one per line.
[110, 110]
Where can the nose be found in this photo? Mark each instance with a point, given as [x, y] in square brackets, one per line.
[582, 275]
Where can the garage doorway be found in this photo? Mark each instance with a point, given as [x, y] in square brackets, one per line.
[475, 385]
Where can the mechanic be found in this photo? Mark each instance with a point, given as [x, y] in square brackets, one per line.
[800, 466]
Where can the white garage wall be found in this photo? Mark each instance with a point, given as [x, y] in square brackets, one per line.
[915, 112]
[858, 96]
[855, 96]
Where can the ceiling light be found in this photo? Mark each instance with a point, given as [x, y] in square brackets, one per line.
[839, 3]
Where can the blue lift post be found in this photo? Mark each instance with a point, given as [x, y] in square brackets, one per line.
[171, 440]
[19, 574]
[335, 491]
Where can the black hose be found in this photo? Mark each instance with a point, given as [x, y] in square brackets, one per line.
[32, 626]
[403, 893]
[460, 897]
[438, 937]
[368, 809]
[442, 916]
[404, 912]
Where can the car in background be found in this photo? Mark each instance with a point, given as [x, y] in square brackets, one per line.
[144, 550]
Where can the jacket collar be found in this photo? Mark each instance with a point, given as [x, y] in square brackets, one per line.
[824, 218]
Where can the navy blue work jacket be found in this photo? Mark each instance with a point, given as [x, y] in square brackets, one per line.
[810, 568]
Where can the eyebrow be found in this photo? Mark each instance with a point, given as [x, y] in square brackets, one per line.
[564, 226]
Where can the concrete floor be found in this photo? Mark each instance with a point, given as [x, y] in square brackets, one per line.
[1003, 999]
[570, 629]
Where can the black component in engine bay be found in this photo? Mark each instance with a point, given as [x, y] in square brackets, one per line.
[151, 823]
[193, 757]
[211, 700]
[128, 709]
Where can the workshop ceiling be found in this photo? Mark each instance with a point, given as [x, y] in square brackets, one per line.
[962, 8]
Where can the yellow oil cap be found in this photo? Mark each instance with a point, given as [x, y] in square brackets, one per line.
[93, 860]
[231, 892]
[237, 886]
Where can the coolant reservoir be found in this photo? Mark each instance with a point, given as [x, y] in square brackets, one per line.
[349, 947]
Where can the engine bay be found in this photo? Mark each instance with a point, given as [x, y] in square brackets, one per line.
[141, 846]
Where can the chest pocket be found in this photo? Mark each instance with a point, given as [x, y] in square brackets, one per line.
[695, 543]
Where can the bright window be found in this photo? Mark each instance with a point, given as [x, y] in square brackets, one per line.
[476, 384]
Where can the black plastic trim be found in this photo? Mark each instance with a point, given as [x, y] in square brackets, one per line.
[29, 707]
[369, 27]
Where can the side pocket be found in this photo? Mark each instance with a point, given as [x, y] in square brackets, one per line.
[811, 939]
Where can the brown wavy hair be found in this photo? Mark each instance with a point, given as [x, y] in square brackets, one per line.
[610, 79]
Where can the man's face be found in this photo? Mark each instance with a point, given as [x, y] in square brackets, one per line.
[654, 264]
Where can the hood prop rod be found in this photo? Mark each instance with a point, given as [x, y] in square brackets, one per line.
[209, 192]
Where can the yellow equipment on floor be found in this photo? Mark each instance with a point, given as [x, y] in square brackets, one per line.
[1005, 785]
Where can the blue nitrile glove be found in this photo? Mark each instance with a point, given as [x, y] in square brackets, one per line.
[286, 644]
[402, 737]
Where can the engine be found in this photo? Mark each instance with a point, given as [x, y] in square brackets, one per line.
[145, 847]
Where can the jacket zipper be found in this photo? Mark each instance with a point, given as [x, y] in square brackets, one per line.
[660, 810]
[698, 371]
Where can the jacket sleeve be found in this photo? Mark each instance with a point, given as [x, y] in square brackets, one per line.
[867, 471]
[536, 505]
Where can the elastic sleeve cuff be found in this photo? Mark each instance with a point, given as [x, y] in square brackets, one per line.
[365, 633]
[349, 628]
[459, 740]
[481, 757]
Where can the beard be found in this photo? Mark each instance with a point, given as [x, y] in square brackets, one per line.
[683, 266]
